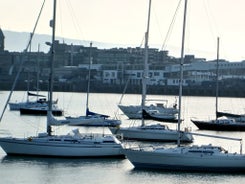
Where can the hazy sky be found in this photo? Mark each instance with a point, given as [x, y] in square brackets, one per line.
[124, 22]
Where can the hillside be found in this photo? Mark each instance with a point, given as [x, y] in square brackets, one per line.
[17, 41]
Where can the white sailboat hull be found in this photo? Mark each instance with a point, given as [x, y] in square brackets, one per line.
[56, 147]
[84, 120]
[179, 160]
[141, 133]
[135, 111]
[18, 106]
[92, 121]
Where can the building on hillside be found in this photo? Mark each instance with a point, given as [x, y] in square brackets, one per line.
[194, 74]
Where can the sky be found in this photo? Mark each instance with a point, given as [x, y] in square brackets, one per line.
[124, 22]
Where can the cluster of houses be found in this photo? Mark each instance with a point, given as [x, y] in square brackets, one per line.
[115, 66]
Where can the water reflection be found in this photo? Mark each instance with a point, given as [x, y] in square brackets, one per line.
[68, 162]
[185, 177]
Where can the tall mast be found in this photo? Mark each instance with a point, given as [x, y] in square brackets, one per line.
[217, 79]
[145, 73]
[28, 75]
[28, 82]
[52, 24]
[38, 66]
[181, 70]
[89, 73]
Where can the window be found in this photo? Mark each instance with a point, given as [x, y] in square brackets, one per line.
[113, 74]
[107, 74]
[156, 74]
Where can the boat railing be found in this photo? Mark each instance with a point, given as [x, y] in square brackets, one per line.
[139, 147]
[156, 100]
[220, 137]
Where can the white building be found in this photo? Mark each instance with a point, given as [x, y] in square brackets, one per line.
[194, 74]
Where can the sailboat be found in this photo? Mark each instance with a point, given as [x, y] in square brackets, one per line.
[153, 132]
[38, 106]
[155, 115]
[152, 107]
[205, 158]
[41, 110]
[74, 144]
[41, 100]
[91, 118]
[135, 111]
[223, 123]
[32, 99]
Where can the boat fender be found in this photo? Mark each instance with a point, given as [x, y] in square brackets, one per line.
[187, 129]
[119, 136]
[29, 139]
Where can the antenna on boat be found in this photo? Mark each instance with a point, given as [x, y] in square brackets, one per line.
[52, 24]
[181, 70]
[145, 72]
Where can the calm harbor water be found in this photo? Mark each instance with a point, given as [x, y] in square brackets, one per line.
[51, 170]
